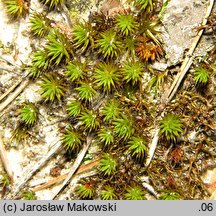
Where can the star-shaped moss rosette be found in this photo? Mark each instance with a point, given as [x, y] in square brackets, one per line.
[123, 127]
[170, 195]
[86, 91]
[39, 24]
[74, 108]
[52, 88]
[171, 127]
[132, 71]
[39, 63]
[111, 110]
[90, 120]
[108, 164]
[76, 70]
[16, 8]
[134, 193]
[86, 190]
[107, 76]
[126, 24]
[58, 47]
[137, 147]
[201, 75]
[28, 114]
[108, 193]
[108, 44]
[71, 139]
[106, 136]
[83, 36]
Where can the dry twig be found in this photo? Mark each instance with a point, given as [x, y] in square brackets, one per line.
[15, 94]
[10, 89]
[83, 168]
[75, 165]
[153, 146]
[5, 161]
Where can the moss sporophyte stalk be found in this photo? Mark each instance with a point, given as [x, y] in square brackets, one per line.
[99, 74]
